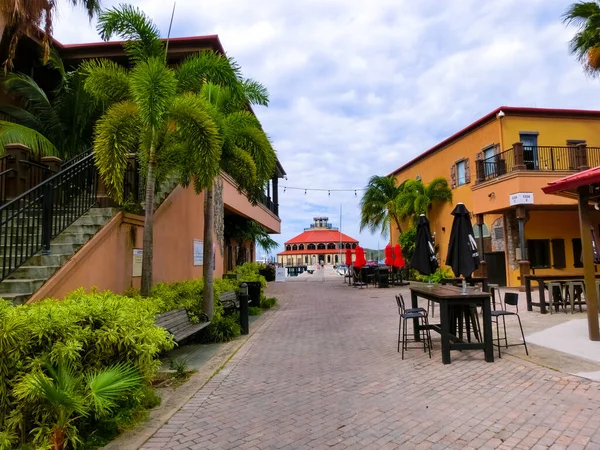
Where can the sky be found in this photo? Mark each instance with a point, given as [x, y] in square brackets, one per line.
[359, 88]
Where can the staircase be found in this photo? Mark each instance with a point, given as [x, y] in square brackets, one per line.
[42, 229]
[32, 275]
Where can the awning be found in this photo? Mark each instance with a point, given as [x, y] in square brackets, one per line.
[571, 183]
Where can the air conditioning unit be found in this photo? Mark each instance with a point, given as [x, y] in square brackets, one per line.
[418, 177]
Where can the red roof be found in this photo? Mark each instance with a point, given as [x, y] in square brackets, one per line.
[316, 236]
[314, 252]
[572, 182]
[508, 110]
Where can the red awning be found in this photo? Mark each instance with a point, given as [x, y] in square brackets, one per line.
[572, 182]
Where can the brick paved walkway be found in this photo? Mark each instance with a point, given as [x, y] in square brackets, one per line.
[323, 372]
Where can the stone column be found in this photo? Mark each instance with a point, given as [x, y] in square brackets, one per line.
[519, 156]
[482, 261]
[16, 182]
[524, 265]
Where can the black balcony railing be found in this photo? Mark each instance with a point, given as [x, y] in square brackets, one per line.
[31, 220]
[270, 204]
[537, 158]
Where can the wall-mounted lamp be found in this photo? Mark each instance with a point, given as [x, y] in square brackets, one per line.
[444, 229]
[597, 207]
[491, 194]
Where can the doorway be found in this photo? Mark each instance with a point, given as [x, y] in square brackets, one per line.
[496, 267]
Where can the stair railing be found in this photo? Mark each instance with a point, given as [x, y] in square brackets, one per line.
[30, 221]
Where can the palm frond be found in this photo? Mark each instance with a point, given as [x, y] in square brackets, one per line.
[195, 127]
[56, 62]
[105, 80]
[240, 165]
[256, 93]
[13, 133]
[131, 24]
[153, 86]
[254, 141]
[438, 190]
[22, 117]
[92, 6]
[106, 386]
[59, 388]
[378, 204]
[586, 17]
[117, 134]
[208, 66]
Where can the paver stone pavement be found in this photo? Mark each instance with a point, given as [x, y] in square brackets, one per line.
[323, 372]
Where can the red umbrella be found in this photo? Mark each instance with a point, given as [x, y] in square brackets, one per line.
[389, 255]
[398, 259]
[348, 257]
[360, 258]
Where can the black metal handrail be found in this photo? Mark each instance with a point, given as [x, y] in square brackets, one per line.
[496, 165]
[69, 162]
[30, 221]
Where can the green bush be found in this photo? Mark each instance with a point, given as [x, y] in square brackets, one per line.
[440, 274]
[407, 241]
[254, 311]
[267, 303]
[86, 332]
[222, 328]
[267, 271]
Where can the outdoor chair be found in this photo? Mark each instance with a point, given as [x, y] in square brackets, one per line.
[556, 296]
[357, 279]
[512, 299]
[495, 291]
[465, 319]
[575, 292]
[408, 314]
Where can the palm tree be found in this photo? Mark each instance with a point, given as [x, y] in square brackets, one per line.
[416, 198]
[58, 123]
[246, 155]
[148, 116]
[19, 17]
[243, 230]
[62, 395]
[378, 205]
[586, 42]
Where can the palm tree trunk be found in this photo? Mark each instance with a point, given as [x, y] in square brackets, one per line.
[398, 225]
[148, 232]
[207, 269]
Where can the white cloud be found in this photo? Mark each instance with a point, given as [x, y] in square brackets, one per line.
[359, 88]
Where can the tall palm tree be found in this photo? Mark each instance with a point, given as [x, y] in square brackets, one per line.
[417, 198]
[149, 117]
[246, 155]
[19, 17]
[378, 205]
[56, 123]
[586, 42]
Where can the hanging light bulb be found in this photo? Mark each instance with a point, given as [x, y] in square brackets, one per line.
[304, 191]
[329, 193]
[355, 193]
[284, 188]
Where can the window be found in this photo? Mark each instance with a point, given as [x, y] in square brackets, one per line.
[538, 253]
[337, 260]
[288, 247]
[330, 246]
[460, 173]
[311, 247]
[306, 260]
[489, 164]
[321, 247]
[530, 149]
[301, 247]
[486, 231]
[558, 254]
[328, 259]
[353, 245]
[294, 247]
[577, 252]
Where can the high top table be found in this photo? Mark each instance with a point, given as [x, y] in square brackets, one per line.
[447, 297]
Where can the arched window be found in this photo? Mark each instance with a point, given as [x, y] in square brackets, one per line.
[294, 247]
[353, 245]
[321, 247]
[288, 247]
[348, 246]
[311, 247]
[486, 231]
[330, 246]
[301, 247]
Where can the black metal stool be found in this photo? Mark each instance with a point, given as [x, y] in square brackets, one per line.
[412, 313]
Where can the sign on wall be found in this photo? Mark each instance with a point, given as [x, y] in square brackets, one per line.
[279, 274]
[521, 198]
[198, 252]
[137, 262]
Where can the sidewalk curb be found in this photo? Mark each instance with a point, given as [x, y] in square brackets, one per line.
[135, 438]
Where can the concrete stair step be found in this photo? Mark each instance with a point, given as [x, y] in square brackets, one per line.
[34, 272]
[73, 238]
[21, 286]
[18, 298]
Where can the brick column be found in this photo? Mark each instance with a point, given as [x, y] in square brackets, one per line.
[524, 264]
[16, 182]
[52, 162]
[519, 156]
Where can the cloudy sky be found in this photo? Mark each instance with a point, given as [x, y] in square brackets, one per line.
[359, 88]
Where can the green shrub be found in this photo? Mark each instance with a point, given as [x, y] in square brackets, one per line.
[87, 332]
[267, 271]
[254, 311]
[222, 328]
[440, 274]
[267, 303]
[407, 241]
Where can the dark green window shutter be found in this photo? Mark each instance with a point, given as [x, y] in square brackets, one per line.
[577, 252]
[558, 254]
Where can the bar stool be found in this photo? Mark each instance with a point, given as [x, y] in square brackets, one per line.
[404, 316]
[495, 291]
[576, 289]
[553, 287]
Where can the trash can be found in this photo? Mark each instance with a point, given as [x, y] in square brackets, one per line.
[253, 292]
[382, 278]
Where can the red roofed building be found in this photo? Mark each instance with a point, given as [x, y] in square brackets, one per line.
[321, 242]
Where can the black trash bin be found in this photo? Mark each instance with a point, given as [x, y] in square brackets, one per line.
[383, 277]
[253, 292]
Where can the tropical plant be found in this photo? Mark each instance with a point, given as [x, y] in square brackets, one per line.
[585, 45]
[243, 230]
[58, 123]
[416, 198]
[378, 205]
[59, 395]
[170, 130]
[407, 241]
[19, 17]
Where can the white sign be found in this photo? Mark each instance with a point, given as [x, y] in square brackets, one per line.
[521, 198]
[137, 262]
[279, 274]
[198, 252]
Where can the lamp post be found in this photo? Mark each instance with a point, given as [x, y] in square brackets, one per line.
[244, 308]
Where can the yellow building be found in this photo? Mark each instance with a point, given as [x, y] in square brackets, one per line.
[497, 166]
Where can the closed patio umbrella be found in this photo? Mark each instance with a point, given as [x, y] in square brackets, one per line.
[348, 257]
[389, 255]
[398, 258]
[594, 248]
[463, 256]
[424, 259]
[360, 258]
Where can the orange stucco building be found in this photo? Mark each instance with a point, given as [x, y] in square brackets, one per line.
[497, 166]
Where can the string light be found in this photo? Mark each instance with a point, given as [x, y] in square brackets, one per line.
[329, 191]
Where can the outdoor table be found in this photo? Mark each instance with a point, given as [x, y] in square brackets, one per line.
[470, 281]
[449, 296]
[541, 279]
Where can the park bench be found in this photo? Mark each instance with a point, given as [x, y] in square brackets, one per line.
[178, 324]
[229, 300]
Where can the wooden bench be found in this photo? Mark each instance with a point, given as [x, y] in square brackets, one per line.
[178, 324]
[229, 300]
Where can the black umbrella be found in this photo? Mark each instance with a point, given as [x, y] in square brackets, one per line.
[424, 259]
[463, 256]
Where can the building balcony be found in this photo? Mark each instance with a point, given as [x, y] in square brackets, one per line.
[527, 169]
